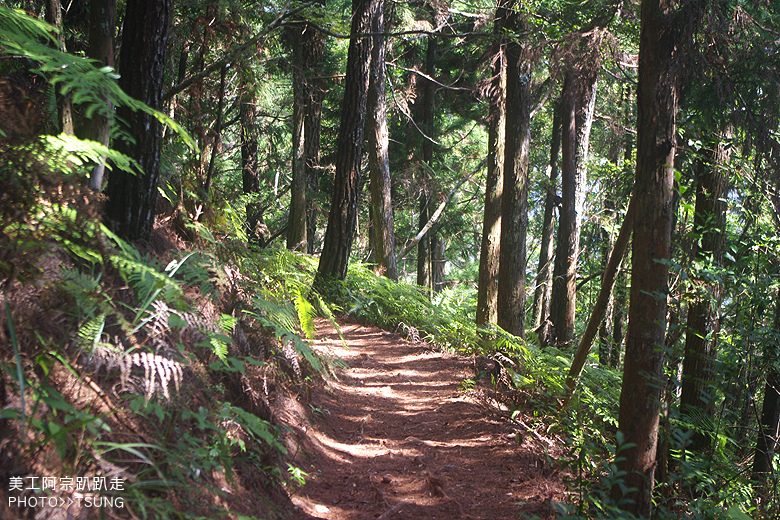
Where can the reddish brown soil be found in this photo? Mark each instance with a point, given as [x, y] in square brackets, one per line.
[397, 437]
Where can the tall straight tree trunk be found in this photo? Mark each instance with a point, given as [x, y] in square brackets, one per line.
[703, 324]
[562, 301]
[307, 53]
[577, 105]
[198, 92]
[313, 59]
[297, 239]
[64, 104]
[342, 219]
[217, 130]
[514, 210]
[769, 429]
[102, 23]
[425, 275]
[543, 289]
[132, 198]
[424, 245]
[487, 289]
[643, 367]
[250, 171]
[379, 159]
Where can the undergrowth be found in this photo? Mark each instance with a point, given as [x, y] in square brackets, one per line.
[151, 370]
[532, 380]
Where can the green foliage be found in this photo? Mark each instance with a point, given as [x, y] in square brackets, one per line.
[21, 35]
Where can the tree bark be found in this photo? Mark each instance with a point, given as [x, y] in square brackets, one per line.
[297, 239]
[102, 23]
[643, 368]
[769, 429]
[379, 159]
[342, 219]
[64, 104]
[487, 289]
[424, 244]
[514, 207]
[130, 212]
[425, 247]
[577, 105]
[313, 59]
[250, 171]
[217, 130]
[308, 49]
[703, 324]
[438, 263]
[541, 307]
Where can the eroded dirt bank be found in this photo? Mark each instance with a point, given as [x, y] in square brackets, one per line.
[396, 437]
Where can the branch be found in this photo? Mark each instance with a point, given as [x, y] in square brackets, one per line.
[422, 74]
[439, 211]
[544, 99]
[584, 281]
[409, 116]
[419, 32]
[232, 55]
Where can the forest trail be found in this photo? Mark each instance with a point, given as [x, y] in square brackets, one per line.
[396, 437]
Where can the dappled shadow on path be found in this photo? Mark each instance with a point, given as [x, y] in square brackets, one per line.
[396, 437]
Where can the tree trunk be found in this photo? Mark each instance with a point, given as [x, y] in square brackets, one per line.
[487, 289]
[217, 130]
[541, 307]
[438, 264]
[703, 324]
[308, 48]
[313, 59]
[379, 160]
[342, 219]
[102, 22]
[514, 208]
[643, 367]
[769, 429]
[424, 245]
[64, 104]
[297, 239]
[426, 110]
[130, 212]
[577, 105]
[619, 318]
[250, 171]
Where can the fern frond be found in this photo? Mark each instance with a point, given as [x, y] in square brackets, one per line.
[274, 314]
[155, 367]
[306, 313]
[90, 332]
[328, 313]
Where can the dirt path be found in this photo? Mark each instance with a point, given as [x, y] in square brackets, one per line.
[396, 437]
